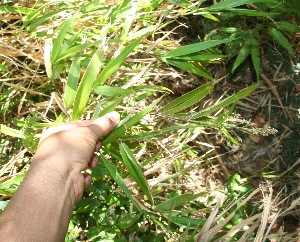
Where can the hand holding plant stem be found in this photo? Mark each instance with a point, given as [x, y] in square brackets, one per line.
[43, 204]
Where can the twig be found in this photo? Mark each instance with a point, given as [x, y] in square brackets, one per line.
[274, 91]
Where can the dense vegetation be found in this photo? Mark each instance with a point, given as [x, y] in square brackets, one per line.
[209, 95]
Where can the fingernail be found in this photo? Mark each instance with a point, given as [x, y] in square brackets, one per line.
[114, 116]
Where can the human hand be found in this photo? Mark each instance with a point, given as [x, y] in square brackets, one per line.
[69, 149]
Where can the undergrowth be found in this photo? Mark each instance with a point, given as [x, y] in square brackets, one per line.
[163, 175]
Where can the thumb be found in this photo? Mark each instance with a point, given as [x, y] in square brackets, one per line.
[104, 125]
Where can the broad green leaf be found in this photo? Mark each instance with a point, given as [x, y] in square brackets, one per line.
[117, 177]
[119, 131]
[128, 220]
[286, 26]
[187, 99]
[65, 26]
[241, 94]
[192, 48]
[135, 170]
[242, 56]
[174, 202]
[235, 3]
[281, 39]
[74, 50]
[10, 131]
[114, 64]
[72, 82]
[207, 86]
[190, 67]
[86, 84]
[3, 204]
[87, 205]
[255, 56]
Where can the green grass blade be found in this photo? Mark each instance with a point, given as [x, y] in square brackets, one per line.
[72, 82]
[47, 56]
[74, 50]
[43, 18]
[117, 177]
[114, 64]
[190, 67]
[192, 48]
[130, 16]
[17, 9]
[135, 170]
[254, 52]
[242, 56]
[174, 202]
[204, 88]
[65, 26]
[112, 91]
[10, 131]
[119, 131]
[241, 94]
[286, 26]
[86, 84]
[201, 92]
[235, 3]
[109, 108]
[281, 39]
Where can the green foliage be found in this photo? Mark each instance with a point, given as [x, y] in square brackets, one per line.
[30, 140]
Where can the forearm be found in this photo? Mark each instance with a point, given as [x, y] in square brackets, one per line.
[42, 206]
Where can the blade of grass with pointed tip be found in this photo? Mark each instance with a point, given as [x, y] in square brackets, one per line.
[226, 4]
[114, 64]
[177, 201]
[254, 52]
[131, 14]
[109, 108]
[47, 55]
[288, 27]
[10, 131]
[119, 131]
[192, 48]
[86, 84]
[135, 170]
[241, 94]
[190, 67]
[117, 178]
[207, 86]
[281, 39]
[72, 82]
[242, 56]
[74, 50]
[65, 26]
[190, 100]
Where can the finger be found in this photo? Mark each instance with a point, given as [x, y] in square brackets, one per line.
[93, 162]
[97, 146]
[104, 125]
[87, 179]
[64, 127]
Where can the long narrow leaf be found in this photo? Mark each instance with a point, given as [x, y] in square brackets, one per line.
[72, 82]
[117, 177]
[242, 56]
[190, 67]
[241, 94]
[135, 170]
[192, 48]
[281, 39]
[114, 64]
[118, 132]
[235, 3]
[61, 35]
[86, 84]
[189, 100]
[254, 52]
[186, 97]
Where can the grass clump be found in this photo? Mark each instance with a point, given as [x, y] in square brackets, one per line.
[168, 171]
